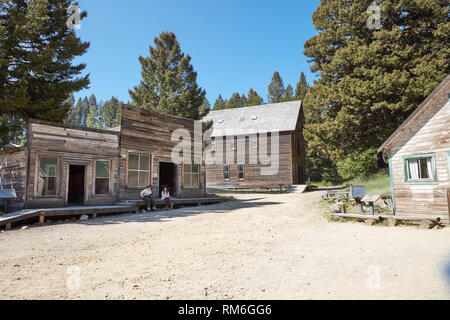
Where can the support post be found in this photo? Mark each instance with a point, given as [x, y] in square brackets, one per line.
[41, 219]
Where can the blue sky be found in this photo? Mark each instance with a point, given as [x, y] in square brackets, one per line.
[235, 45]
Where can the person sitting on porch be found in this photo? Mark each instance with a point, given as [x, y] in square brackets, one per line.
[166, 197]
[147, 196]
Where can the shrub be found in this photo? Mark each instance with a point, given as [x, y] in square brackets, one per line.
[358, 164]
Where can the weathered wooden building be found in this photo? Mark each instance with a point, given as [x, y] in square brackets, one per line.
[243, 149]
[419, 158]
[146, 155]
[64, 165]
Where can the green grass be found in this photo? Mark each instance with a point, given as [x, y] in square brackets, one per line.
[378, 184]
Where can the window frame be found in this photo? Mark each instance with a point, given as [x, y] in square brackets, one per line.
[228, 173]
[95, 178]
[239, 172]
[58, 175]
[255, 142]
[138, 170]
[234, 143]
[191, 172]
[432, 180]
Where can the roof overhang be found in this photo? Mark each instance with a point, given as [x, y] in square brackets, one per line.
[404, 126]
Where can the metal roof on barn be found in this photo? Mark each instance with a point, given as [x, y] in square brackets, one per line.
[276, 117]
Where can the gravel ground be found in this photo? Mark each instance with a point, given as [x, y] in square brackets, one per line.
[263, 246]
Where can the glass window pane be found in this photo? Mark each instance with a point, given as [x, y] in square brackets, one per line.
[48, 175]
[424, 169]
[195, 168]
[143, 178]
[133, 179]
[144, 163]
[133, 161]
[186, 168]
[101, 186]
[194, 182]
[186, 180]
[102, 169]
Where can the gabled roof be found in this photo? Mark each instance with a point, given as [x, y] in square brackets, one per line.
[414, 115]
[251, 120]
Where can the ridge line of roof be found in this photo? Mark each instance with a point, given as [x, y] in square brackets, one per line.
[414, 114]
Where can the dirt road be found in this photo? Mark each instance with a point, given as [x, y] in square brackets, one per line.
[260, 247]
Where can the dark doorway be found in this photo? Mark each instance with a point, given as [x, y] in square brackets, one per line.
[301, 175]
[167, 177]
[76, 185]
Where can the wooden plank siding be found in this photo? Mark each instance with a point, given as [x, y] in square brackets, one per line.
[428, 133]
[252, 172]
[13, 173]
[291, 160]
[149, 133]
[73, 146]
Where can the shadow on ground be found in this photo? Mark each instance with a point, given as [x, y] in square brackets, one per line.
[164, 216]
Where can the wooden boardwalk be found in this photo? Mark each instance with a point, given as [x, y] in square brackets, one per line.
[130, 206]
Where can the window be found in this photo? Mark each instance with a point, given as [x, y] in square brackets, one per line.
[241, 172]
[191, 175]
[233, 143]
[255, 142]
[138, 170]
[102, 169]
[48, 176]
[226, 173]
[420, 168]
[213, 144]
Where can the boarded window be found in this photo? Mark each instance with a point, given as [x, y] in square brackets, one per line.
[241, 172]
[226, 173]
[48, 176]
[138, 170]
[102, 176]
[419, 169]
[191, 175]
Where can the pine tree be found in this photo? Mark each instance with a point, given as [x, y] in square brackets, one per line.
[276, 89]
[92, 118]
[254, 99]
[288, 94]
[371, 80]
[70, 113]
[169, 82]
[236, 101]
[220, 103]
[111, 112]
[302, 88]
[36, 53]
[205, 108]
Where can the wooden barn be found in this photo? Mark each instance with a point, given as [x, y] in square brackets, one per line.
[64, 165]
[419, 158]
[239, 151]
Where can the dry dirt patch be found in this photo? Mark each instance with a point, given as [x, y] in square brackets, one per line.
[261, 247]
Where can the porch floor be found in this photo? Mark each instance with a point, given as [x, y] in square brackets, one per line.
[130, 206]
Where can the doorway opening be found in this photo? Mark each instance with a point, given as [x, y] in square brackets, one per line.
[76, 185]
[167, 176]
